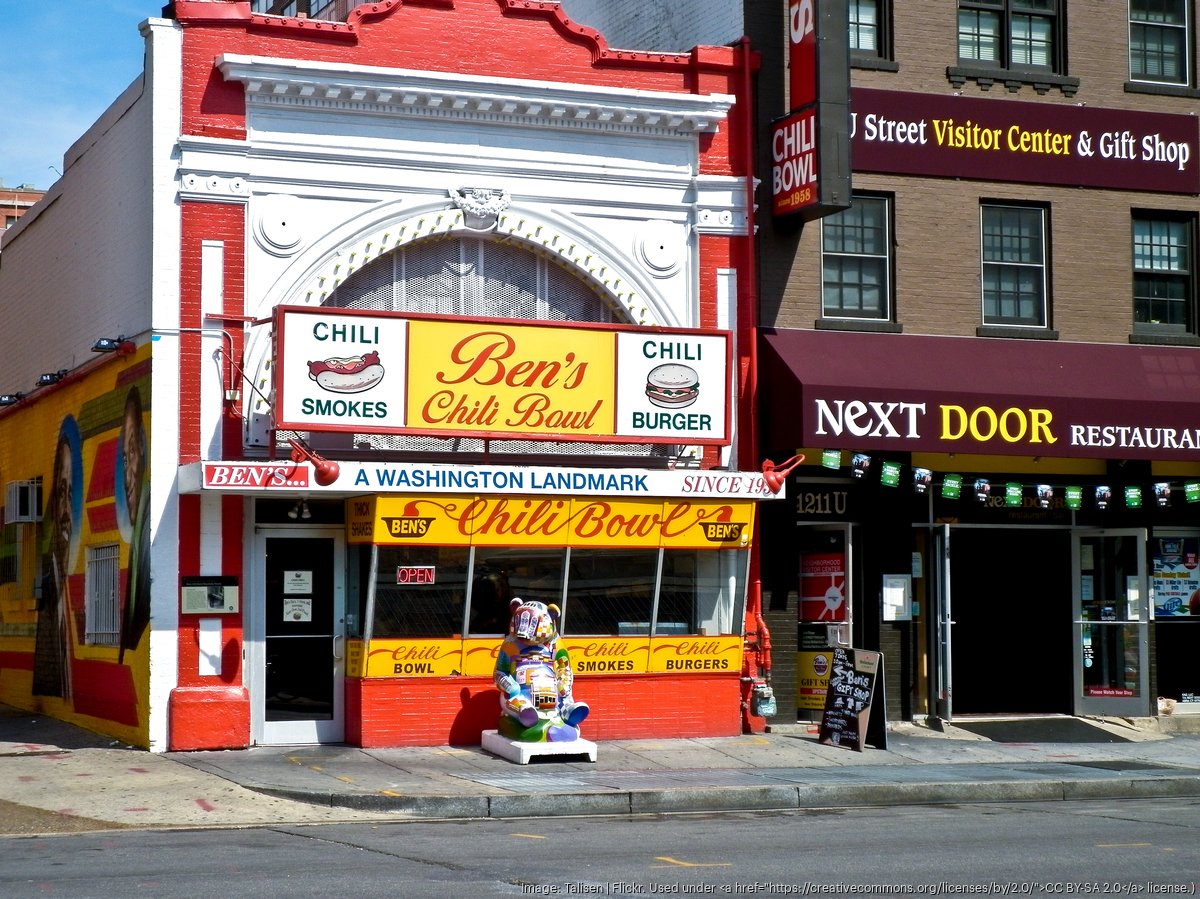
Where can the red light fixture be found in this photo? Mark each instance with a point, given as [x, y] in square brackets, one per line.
[776, 475]
[324, 471]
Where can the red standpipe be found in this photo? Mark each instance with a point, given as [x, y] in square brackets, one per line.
[756, 657]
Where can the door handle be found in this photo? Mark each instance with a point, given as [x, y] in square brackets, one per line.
[339, 647]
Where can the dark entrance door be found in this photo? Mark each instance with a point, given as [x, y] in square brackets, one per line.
[1011, 635]
[303, 639]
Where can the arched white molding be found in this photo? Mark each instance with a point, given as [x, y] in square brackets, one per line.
[314, 275]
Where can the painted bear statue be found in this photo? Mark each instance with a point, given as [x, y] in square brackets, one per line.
[535, 678]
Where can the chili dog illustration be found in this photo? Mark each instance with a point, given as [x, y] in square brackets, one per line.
[353, 374]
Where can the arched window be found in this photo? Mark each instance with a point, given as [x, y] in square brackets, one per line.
[472, 276]
[488, 278]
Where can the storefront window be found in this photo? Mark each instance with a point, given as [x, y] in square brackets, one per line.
[420, 591]
[611, 592]
[505, 573]
[702, 591]
[428, 591]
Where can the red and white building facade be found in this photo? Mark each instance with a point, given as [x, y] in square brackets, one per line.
[493, 215]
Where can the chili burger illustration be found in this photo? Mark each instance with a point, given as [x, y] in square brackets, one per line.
[672, 386]
[352, 374]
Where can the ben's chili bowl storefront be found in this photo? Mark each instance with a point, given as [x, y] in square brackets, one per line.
[376, 592]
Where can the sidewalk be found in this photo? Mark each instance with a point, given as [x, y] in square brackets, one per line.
[50, 766]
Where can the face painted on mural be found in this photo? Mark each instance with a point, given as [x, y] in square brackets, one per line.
[63, 485]
[133, 449]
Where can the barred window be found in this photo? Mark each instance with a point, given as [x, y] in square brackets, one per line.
[102, 612]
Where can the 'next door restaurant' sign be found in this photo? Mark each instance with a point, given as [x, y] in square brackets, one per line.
[1038, 143]
[382, 373]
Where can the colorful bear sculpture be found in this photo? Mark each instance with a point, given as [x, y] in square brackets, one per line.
[535, 678]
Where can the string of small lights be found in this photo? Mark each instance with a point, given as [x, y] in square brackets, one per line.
[955, 486]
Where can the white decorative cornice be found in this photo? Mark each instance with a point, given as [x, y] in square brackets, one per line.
[213, 187]
[292, 83]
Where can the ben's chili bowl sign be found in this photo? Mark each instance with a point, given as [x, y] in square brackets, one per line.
[350, 370]
[476, 656]
[556, 522]
[1048, 426]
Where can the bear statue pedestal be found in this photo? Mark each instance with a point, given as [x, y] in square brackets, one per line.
[521, 752]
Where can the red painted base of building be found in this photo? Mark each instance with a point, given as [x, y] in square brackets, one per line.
[389, 712]
[209, 718]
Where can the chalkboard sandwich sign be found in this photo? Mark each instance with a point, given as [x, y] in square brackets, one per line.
[847, 713]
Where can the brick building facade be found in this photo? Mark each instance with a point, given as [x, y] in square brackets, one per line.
[1023, 238]
[376, 286]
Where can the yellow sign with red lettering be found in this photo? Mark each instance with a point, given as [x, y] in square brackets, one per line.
[476, 657]
[512, 379]
[356, 370]
[550, 521]
[695, 655]
[415, 658]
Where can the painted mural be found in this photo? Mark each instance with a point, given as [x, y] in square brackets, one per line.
[75, 549]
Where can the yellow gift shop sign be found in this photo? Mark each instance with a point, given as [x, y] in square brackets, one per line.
[464, 520]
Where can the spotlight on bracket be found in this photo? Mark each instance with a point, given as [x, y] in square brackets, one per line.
[118, 345]
[7, 399]
[51, 377]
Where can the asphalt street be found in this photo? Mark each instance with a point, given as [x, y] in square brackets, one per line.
[59, 778]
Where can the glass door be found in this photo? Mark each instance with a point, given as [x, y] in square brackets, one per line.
[942, 622]
[1111, 604]
[298, 637]
[823, 613]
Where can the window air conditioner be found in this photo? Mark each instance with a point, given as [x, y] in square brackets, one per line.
[22, 501]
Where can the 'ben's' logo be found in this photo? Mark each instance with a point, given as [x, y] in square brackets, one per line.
[722, 531]
[408, 527]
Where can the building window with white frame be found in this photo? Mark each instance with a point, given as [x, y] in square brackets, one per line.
[1159, 41]
[1163, 284]
[102, 609]
[1011, 34]
[856, 260]
[1013, 265]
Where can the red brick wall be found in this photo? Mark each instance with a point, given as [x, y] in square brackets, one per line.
[382, 712]
[522, 40]
[208, 711]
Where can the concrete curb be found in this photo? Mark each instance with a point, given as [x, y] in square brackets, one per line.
[729, 799]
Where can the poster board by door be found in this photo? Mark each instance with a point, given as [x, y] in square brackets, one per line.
[848, 720]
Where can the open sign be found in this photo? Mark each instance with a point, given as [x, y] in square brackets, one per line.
[416, 574]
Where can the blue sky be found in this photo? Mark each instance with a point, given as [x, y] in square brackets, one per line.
[63, 63]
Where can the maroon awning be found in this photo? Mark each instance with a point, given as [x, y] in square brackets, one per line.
[851, 390]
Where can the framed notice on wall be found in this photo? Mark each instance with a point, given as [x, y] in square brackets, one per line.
[209, 595]
[897, 597]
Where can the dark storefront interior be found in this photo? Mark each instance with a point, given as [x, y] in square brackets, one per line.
[1011, 595]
